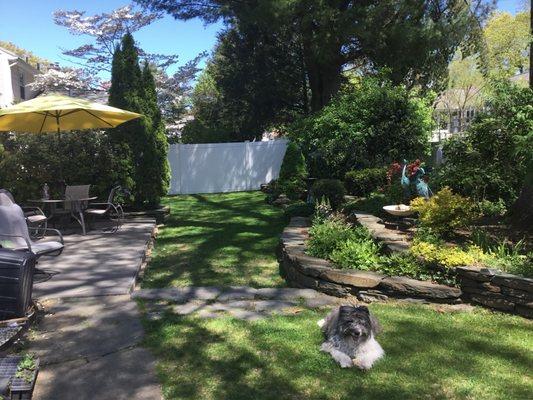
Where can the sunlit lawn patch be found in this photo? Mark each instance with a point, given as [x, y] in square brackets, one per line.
[217, 240]
[479, 355]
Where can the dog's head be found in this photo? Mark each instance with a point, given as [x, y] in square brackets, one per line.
[357, 322]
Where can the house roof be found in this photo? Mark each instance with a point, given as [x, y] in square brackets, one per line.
[20, 62]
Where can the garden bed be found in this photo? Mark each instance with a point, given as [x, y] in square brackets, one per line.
[483, 286]
[302, 270]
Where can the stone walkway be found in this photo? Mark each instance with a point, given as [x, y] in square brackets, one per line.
[394, 240]
[89, 349]
[238, 301]
[89, 339]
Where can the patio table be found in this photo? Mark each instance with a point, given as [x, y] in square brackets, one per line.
[76, 208]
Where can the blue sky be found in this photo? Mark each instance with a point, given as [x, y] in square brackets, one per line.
[32, 28]
[29, 25]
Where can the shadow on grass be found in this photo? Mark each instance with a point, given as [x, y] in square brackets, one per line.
[429, 356]
[216, 240]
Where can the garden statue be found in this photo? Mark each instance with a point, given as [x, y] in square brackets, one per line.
[416, 177]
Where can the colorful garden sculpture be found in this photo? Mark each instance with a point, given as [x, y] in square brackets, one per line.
[413, 174]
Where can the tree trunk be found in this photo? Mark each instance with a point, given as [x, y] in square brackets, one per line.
[531, 45]
[324, 82]
[522, 210]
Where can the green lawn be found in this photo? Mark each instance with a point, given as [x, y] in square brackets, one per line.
[216, 240]
[429, 355]
[230, 240]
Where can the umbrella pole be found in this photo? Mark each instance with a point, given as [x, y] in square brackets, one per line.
[59, 154]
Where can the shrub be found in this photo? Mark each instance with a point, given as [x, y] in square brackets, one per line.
[488, 162]
[299, 209]
[444, 212]
[357, 253]
[372, 204]
[369, 123]
[293, 165]
[403, 265]
[331, 189]
[323, 210]
[294, 188]
[364, 181]
[489, 208]
[325, 236]
[448, 257]
[292, 174]
[88, 157]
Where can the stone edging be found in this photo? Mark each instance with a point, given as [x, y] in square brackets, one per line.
[302, 270]
[495, 289]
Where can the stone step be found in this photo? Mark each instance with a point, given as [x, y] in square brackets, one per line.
[240, 309]
[225, 294]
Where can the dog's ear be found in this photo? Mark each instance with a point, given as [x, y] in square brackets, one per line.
[375, 326]
[363, 309]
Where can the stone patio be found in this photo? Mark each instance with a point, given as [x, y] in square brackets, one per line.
[98, 264]
[89, 338]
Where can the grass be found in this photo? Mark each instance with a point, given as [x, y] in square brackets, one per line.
[230, 240]
[217, 240]
[429, 355]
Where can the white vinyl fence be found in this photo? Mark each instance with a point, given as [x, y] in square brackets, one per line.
[224, 167]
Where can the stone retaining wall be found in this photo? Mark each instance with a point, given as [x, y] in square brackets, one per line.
[485, 287]
[304, 271]
[497, 290]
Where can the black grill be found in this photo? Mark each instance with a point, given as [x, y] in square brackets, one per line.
[16, 282]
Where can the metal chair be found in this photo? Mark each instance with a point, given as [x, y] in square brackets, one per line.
[14, 233]
[35, 216]
[110, 209]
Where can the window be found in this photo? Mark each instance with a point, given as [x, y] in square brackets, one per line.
[22, 87]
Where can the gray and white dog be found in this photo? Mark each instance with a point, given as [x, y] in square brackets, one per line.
[349, 332]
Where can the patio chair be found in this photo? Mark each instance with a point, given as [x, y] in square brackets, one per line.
[14, 233]
[35, 216]
[73, 205]
[111, 210]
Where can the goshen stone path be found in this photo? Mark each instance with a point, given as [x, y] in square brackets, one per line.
[241, 302]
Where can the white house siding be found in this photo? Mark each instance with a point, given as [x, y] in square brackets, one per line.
[12, 69]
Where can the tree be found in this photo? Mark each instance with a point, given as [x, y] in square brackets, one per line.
[144, 142]
[465, 86]
[173, 91]
[73, 81]
[415, 39]
[369, 123]
[254, 80]
[493, 160]
[107, 31]
[23, 53]
[508, 38]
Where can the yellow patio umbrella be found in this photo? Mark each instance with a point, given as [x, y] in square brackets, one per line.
[57, 113]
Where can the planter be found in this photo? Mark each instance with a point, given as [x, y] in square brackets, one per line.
[13, 387]
[304, 271]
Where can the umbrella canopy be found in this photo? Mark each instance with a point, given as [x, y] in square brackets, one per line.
[57, 113]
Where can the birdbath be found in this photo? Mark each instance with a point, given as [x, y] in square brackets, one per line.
[399, 210]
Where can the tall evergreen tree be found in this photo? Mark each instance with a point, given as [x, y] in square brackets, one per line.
[154, 176]
[144, 140]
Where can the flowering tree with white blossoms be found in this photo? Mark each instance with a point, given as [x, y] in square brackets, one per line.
[107, 30]
[66, 80]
